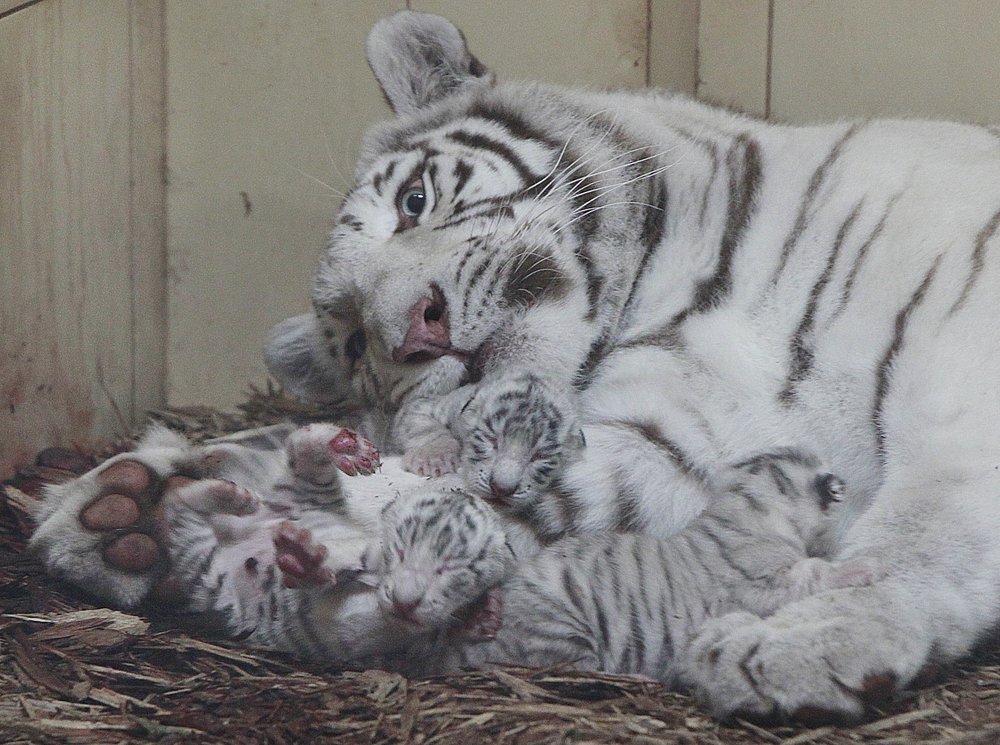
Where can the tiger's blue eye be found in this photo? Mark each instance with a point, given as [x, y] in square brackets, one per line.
[412, 201]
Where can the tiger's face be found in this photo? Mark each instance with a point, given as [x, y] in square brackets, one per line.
[455, 225]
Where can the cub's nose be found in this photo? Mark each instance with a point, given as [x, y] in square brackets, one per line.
[427, 337]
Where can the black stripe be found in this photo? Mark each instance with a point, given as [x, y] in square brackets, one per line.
[845, 293]
[653, 226]
[512, 121]
[627, 509]
[475, 244]
[476, 277]
[502, 209]
[781, 481]
[652, 433]
[725, 555]
[982, 238]
[598, 351]
[595, 281]
[602, 621]
[573, 591]
[482, 142]
[462, 173]
[379, 178]
[744, 184]
[805, 210]
[892, 351]
[800, 353]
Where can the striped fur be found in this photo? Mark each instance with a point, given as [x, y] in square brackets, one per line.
[629, 603]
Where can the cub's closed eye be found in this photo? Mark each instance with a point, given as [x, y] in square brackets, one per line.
[355, 345]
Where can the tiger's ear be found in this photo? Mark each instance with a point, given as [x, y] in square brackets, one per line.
[419, 58]
[293, 355]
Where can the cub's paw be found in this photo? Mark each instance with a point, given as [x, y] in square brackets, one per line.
[437, 457]
[300, 559]
[522, 432]
[105, 531]
[439, 554]
[317, 453]
[482, 620]
[216, 496]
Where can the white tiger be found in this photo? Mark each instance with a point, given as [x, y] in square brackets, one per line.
[696, 285]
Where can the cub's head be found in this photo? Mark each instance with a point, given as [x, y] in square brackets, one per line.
[467, 208]
[519, 435]
[439, 554]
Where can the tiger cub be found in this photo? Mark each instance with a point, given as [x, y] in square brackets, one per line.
[614, 602]
[507, 439]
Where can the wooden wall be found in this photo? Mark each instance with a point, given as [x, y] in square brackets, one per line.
[168, 168]
[82, 318]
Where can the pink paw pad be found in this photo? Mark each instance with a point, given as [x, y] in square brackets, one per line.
[299, 559]
[484, 620]
[354, 454]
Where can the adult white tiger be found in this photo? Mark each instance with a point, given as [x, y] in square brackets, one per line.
[712, 285]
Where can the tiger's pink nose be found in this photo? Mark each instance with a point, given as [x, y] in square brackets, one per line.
[427, 337]
[403, 609]
[501, 490]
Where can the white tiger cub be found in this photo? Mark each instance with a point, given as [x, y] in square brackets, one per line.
[695, 286]
[617, 602]
[230, 518]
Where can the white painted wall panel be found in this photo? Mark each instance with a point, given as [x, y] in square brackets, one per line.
[935, 58]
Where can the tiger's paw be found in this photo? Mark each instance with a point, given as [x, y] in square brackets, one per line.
[216, 496]
[831, 658]
[522, 432]
[317, 453]
[434, 458]
[483, 620]
[301, 560]
[104, 531]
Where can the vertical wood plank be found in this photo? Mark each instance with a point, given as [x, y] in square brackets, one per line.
[733, 54]
[148, 202]
[673, 45]
[267, 104]
[65, 326]
[599, 43]
[837, 58]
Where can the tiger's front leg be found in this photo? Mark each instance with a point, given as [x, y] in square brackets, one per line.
[833, 655]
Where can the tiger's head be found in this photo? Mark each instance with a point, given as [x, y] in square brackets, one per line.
[464, 213]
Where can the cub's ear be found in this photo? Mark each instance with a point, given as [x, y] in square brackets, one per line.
[419, 58]
[295, 356]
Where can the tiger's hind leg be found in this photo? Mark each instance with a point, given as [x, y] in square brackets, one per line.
[106, 532]
[103, 531]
